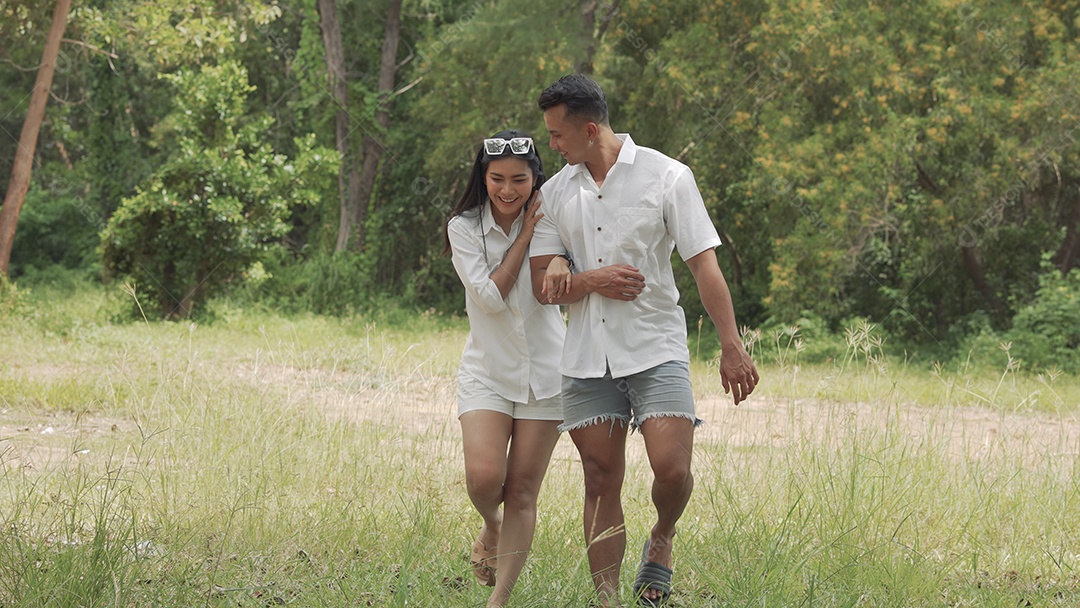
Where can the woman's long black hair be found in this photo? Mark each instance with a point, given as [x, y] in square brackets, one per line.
[475, 195]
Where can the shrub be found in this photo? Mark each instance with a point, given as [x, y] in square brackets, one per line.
[1046, 332]
[9, 296]
[325, 283]
[219, 202]
[808, 340]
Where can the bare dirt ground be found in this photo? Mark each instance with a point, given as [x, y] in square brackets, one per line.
[425, 404]
[46, 440]
[967, 433]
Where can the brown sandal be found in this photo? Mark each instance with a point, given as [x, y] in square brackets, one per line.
[484, 562]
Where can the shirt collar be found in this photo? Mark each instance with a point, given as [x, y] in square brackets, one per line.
[627, 153]
[489, 220]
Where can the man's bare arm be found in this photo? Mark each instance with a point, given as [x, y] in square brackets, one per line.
[618, 282]
[737, 371]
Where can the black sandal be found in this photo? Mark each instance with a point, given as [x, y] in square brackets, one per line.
[652, 575]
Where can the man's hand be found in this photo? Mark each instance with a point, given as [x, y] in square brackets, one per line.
[737, 373]
[618, 282]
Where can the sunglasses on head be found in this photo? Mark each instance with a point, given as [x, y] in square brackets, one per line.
[518, 145]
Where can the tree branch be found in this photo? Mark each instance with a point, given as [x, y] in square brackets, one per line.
[91, 47]
[606, 21]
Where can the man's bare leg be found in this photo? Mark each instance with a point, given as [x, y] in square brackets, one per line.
[602, 447]
[669, 442]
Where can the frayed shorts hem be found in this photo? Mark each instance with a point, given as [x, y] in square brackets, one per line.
[635, 425]
[622, 420]
[660, 391]
[641, 419]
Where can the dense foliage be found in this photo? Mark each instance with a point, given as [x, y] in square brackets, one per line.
[219, 201]
[912, 164]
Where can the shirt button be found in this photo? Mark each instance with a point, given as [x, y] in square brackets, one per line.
[603, 320]
[601, 260]
[598, 228]
[599, 196]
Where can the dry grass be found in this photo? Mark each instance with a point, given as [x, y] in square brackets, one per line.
[312, 461]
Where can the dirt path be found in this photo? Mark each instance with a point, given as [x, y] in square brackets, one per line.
[426, 405]
[965, 433]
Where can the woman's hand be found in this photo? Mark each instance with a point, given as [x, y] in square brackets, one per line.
[557, 278]
[532, 216]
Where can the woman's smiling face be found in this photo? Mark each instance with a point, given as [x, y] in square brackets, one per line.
[509, 185]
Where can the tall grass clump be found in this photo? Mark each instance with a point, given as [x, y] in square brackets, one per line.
[865, 513]
[870, 482]
[258, 459]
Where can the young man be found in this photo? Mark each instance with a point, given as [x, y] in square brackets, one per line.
[618, 210]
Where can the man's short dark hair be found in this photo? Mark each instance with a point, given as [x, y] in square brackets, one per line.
[582, 96]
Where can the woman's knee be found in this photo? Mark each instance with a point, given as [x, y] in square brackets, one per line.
[484, 478]
[520, 497]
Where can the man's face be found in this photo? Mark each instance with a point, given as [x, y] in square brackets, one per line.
[567, 137]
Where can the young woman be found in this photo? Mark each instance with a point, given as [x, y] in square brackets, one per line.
[508, 382]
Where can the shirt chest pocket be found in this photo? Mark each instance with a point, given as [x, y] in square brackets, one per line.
[639, 228]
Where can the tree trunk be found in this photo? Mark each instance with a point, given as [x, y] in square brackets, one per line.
[736, 259]
[348, 211]
[1069, 252]
[348, 186]
[590, 35]
[588, 42]
[182, 309]
[24, 155]
[373, 147]
[974, 269]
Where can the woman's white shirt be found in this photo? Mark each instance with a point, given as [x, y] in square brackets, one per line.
[515, 343]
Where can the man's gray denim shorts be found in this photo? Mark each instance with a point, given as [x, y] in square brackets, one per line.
[660, 391]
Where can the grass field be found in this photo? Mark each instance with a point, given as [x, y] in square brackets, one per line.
[260, 460]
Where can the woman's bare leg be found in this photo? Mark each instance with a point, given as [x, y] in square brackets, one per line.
[485, 436]
[530, 451]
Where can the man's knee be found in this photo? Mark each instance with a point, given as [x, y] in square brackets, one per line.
[603, 478]
[674, 473]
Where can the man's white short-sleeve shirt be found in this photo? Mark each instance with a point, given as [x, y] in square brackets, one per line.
[513, 343]
[647, 205]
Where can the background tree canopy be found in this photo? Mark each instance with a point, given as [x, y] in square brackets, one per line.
[914, 164]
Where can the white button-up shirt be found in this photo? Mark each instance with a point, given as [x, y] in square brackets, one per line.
[513, 343]
[647, 205]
